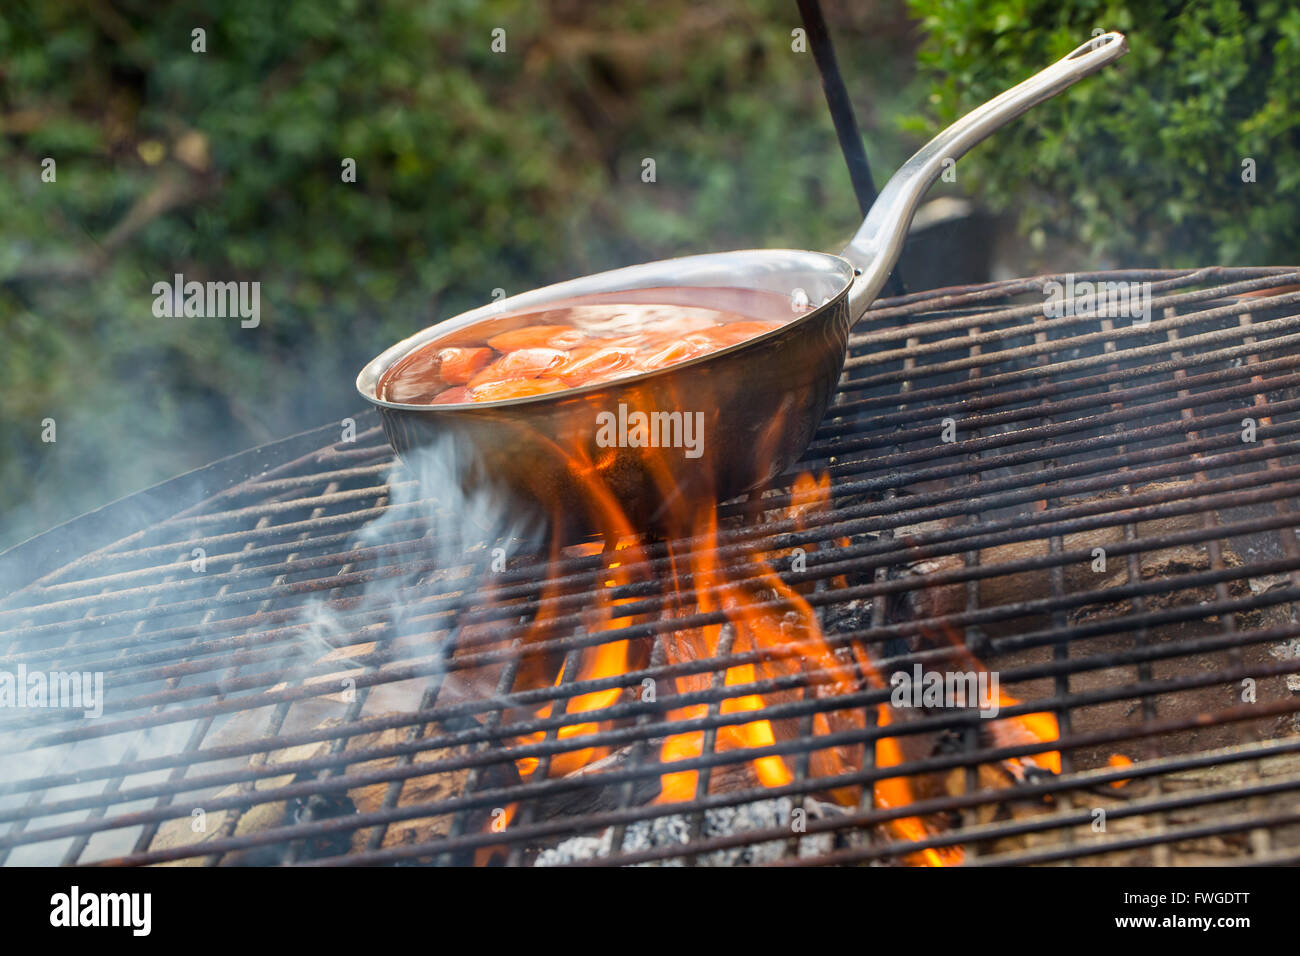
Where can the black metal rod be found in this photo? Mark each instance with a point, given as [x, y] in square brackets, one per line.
[846, 124]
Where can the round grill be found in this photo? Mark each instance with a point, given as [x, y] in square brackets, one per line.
[1098, 509]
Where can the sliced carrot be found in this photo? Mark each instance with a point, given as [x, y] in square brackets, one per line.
[730, 333]
[414, 392]
[452, 396]
[539, 359]
[412, 379]
[598, 363]
[581, 352]
[458, 365]
[521, 363]
[538, 336]
[520, 388]
[611, 374]
[676, 351]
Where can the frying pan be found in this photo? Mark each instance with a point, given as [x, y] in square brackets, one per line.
[759, 402]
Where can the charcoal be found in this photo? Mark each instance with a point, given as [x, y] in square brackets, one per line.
[845, 616]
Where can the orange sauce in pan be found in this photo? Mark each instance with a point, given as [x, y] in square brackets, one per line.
[568, 346]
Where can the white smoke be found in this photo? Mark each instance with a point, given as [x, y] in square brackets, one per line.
[448, 539]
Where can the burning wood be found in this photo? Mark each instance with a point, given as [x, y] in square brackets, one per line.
[760, 615]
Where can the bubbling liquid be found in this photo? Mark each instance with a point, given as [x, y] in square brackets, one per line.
[565, 347]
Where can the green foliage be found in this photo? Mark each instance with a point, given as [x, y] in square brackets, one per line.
[475, 170]
[1143, 161]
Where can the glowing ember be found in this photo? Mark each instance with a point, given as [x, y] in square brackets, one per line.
[1117, 761]
[897, 792]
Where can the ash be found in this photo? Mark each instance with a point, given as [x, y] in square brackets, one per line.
[675, 830]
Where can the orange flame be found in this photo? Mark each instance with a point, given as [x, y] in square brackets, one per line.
[763, 617]
[1015, 731]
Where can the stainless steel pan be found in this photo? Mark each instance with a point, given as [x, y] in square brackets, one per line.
[759, 402]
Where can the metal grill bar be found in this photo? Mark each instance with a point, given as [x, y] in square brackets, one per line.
[1146, 653]
[1266, 409]
[848, 525]
[1074, 430]
[486, 799]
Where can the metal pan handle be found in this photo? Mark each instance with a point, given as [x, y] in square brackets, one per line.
[875, 248]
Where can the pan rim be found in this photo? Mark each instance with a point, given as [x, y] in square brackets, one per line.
[368, 379]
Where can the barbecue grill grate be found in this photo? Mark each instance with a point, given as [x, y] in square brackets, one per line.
[980, 454]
